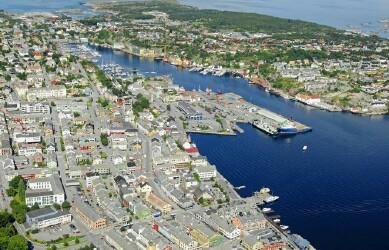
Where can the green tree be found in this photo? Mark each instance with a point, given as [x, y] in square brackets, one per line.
[34, 207]
[66, 205]
[11, 192]
[77, 241]
[52, 103]
[17, 242]
[56, 206]
[21, 190]
[5, 218]
[104, 139]
[14, 183]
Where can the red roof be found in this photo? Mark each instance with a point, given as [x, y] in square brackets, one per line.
[192, 150]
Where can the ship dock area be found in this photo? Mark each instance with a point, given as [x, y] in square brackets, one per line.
[231, 109]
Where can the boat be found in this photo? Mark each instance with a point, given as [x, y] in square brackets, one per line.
[276, 221]
[240, 187]
[264, 190]
[266, 209]
[287, 129]
[271, 199]
[284, 227]
[305, 147]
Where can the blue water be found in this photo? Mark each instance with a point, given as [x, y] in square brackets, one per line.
[335, 194]
[336, 13]
[39, 5]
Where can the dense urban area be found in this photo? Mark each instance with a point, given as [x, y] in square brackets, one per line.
[97, 157]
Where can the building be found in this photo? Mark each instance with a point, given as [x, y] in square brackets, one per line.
[35, 107]
[45, 191]
[206, 172]
[189, 112]
[115, 239]
[46, 217]
[158, 203]
[89, 215]
[52, 92]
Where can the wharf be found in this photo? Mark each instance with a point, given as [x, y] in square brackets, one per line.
[234, 108]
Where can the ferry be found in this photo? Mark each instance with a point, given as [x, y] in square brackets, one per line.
[271, 199]
[287, 129]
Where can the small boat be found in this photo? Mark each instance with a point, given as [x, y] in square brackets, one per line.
[276, 221]
[271, 199]
[240, 187]
[264, 190]
[284, 227]
[305, 147]
[266, 209]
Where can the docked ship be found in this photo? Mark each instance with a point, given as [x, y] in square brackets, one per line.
[287, 129]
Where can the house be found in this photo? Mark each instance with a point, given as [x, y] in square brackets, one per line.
[158, 203]
[143, 188]
[117, 158]
[51, 159]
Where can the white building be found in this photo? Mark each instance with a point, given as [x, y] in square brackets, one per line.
[46, 217]
[45, 191]
[35, 107]
[206, 172]
[52, 92]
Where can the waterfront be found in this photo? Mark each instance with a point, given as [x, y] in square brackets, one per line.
[339, 14]
[332, 194]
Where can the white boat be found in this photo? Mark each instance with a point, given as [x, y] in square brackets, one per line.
[305, 147]
[264, 190]
[284, 227]
[266, 209]
[271, 199]
[276, 221]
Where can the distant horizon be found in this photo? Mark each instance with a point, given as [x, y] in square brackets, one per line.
[362, 16]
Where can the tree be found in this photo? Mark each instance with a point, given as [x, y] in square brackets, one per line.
[34, 207]
[104, 139]
[17, 242]
[53, 247]
[66, 205]
[14, 183]
[77, 241]
[56, 206]
[76, 114]
[11, 192]
[66, 244]
[21, 190]
[5, 218]
[52, 104]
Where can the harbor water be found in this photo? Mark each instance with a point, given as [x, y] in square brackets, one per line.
[335, 193]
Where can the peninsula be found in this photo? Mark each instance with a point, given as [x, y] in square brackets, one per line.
[317, 65]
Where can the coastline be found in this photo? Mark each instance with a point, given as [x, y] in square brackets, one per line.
[265, 86]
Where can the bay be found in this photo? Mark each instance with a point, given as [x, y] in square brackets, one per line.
[335, 194]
